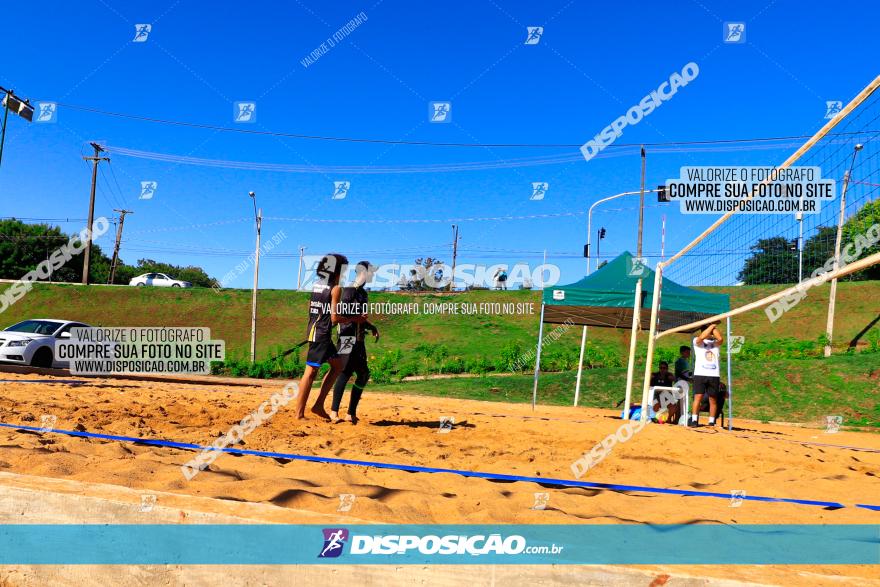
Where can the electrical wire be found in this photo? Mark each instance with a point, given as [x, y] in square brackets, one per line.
[425, 143]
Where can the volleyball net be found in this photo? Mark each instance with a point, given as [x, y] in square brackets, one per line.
[811, 220]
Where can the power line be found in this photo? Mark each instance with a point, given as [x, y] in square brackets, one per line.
[55, 220]
[428, 143]
[512, 163]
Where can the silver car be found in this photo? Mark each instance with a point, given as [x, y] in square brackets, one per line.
[32, 342]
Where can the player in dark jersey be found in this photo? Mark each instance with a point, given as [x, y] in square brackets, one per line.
[326, 295]
[352, 348]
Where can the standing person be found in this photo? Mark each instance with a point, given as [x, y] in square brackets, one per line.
[683, 364]
[322, 316]
[707, 372]
[683, 376]
[352, 348]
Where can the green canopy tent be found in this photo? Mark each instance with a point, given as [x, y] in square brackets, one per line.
[606, 299]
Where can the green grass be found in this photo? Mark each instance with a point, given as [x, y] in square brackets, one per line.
[792, 390]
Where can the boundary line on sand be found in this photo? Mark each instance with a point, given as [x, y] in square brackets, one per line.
[418, 469]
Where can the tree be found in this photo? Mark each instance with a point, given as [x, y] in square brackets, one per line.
[24, 246]
[856, 229]
[773, 260]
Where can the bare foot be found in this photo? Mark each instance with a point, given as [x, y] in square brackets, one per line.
[352, 419]
[320, 411]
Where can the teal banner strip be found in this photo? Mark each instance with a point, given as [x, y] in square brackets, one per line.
[440, 544]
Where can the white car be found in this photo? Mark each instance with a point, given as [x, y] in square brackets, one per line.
[32, 342]
[158, 280]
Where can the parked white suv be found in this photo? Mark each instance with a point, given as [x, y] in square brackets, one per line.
[158, 280]
[32, 342]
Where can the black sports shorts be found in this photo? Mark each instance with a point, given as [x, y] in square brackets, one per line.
[356, 360]
[703, 384]
[320, 352]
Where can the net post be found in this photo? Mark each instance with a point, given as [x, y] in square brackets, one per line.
[577, 387]
[729, 379]
[631, 363]
[538, 357]
[652, 333]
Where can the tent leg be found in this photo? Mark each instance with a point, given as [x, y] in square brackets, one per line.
[729, 381]
[577, 387]
[631, 364]
[538, 358]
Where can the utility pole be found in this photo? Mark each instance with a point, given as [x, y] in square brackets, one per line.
[637, 301]
[302, 251]
[454, 253]
[115, 260]
[641, 207]
[88, 252]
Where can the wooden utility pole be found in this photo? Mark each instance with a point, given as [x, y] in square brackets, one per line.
[115, 260]
[88, 252]
[637, 302]
[454, 253]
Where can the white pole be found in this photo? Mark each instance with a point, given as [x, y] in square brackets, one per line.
[631, 364]
[256, 285]
[729, 380]
[832, 298]
[540, 338]
[538, 356]
[299, 272]
[577, 387]
[800, 219]
[590, 236]
[663, 238]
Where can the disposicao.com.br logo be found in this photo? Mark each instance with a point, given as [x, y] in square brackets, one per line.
[335, 540]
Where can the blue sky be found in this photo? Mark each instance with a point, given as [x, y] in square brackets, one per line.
[594, 61]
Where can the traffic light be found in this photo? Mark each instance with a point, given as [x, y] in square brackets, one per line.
[587, 251]
[661, 194]
[601, 233]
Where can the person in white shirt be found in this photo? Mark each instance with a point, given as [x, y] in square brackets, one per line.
[707, 372]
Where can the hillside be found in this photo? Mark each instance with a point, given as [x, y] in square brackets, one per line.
[282, 316]
[777, 376]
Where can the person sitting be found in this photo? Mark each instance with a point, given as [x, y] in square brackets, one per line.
[663, 378]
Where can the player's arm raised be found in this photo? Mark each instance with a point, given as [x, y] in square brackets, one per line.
[706, 333]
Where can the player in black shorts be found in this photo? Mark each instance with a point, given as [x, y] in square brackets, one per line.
[352, 348]
[326, 295]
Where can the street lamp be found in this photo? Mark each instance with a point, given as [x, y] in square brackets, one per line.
[18, 106]
[590, 220]
[258, 217]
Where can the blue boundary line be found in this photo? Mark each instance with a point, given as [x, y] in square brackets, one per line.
[418, 469]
